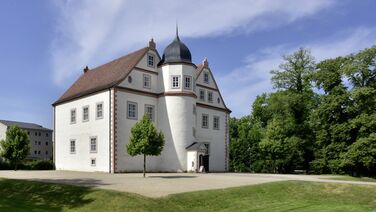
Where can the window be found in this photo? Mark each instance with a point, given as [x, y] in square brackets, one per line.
[35, 152]
[202, 95]
[36, 134]
[175, 82]
[210, 96]
[99, 112]
[149, 111]
[188, 82]
[46, 152]
[38, 142]
[218, 100]
[205, 121]
[73, 116]
[85, 113]
[93, 144]
[46, 134]
[206, 77]
[73, 146]
[46, 143]
[39, 152]
[216, 122]
[132, 110]
[150, 60]
[194, 109]
[130, 79]
[93, 162]
[147, 81]
[28, 133]
[39, 133]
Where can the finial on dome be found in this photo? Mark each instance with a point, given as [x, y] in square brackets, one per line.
[205, 62]
[177, 32]
[152, 44]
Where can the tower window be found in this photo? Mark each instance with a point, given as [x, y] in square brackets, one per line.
[175, 82]
[150, 60]
[147, 81]
[188, 82]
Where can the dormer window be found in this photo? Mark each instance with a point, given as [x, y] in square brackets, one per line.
[175, 82]
[150, 60]
[206, 77]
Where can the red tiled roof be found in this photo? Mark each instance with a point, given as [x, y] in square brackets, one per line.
[103, 77]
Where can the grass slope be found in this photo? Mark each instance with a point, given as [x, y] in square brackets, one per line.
[349, 178]
[16, 195]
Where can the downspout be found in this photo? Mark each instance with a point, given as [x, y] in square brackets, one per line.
[109, 131]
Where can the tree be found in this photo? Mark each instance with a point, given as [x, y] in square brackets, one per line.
[145, 140]
[16, 145]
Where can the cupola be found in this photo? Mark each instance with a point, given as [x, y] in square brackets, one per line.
[176, 52]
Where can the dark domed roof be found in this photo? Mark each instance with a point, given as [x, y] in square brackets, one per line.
[176, 51]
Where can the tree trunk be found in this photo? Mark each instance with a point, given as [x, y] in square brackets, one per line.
[15, 166]
[144, 164]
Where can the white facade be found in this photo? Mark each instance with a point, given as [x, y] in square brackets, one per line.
[177, 112]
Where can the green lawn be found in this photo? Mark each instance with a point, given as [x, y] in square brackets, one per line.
[349, 178]
[16, 195]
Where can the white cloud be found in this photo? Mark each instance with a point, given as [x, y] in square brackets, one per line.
[243, 84]
[94, 31]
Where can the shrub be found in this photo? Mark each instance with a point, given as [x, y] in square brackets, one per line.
[38, 165]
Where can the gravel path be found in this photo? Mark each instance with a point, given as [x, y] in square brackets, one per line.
[161, 184]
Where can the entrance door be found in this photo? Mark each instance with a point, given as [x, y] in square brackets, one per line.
[205, 161]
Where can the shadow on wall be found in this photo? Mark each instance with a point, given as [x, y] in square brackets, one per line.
[38, 196]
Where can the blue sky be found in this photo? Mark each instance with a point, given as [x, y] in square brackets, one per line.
[45, 44]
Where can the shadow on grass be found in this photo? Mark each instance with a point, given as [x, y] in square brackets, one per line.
[17, 195]
[87, 182]
[173, 177]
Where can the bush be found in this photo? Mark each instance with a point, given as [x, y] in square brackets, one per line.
[4, 165]
[38, 165]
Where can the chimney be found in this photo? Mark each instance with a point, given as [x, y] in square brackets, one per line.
[152, 44]
[86, 69]
[205, 63]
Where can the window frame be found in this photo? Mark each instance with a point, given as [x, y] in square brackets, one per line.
[75, 116]
[206, 77]
[210, 96]
[153, 61]
[136, 110]
[74, 146]
[143, 80]
[172, 81]
[204, 96]
[83, 113]
[185, 82]
[218, 118]
[153, 111]
[96, 144]
[91, 162]
[96, 110]
[207, 121]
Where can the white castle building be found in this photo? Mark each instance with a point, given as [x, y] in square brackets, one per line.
[93, 118]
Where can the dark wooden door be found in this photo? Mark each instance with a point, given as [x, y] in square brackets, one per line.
[205, 161]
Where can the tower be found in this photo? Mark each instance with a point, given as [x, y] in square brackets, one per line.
[177, 104]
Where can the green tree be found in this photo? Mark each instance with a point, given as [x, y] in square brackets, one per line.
[145, 140]
[16, 145]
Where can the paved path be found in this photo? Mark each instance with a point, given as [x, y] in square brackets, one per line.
[161, 184]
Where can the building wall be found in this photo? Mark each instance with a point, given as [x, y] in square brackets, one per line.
[215, 138]
[82, 132]
[3, 130]
[40, 144]
[124, 162]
